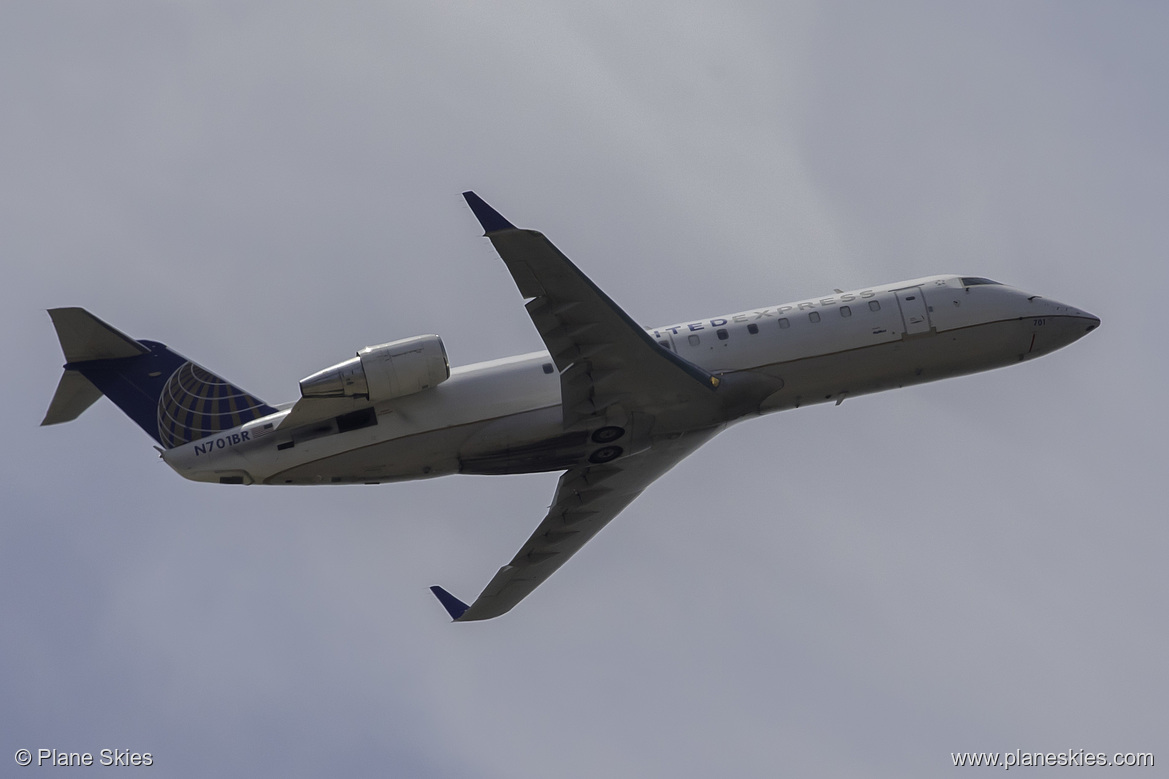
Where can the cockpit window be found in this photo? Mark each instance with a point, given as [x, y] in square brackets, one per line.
[974, 281]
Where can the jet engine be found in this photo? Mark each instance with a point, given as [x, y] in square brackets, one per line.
[383, 372]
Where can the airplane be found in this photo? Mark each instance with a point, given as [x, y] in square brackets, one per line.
[611, 404]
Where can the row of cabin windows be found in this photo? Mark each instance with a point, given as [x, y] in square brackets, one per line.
[784, 323]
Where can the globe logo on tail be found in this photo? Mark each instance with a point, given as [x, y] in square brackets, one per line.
[196, 403]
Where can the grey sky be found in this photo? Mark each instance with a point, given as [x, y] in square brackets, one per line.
[974, 565]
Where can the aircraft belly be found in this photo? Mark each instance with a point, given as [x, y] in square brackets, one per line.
[532, 442]
[527, 442]
[418, 456]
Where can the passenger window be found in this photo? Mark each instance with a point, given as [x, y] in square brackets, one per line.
[722, 335]
[693, 340]
[814, 316]
[845, 311]
[874, 305]
[784, 324]
[752, 328]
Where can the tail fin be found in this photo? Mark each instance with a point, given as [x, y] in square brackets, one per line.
[174, 400]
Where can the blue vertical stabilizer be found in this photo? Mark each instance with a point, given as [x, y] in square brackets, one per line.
[174, 400]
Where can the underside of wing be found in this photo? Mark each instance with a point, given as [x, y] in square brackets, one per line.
[587, 497]
[604, 357]
[614, 380]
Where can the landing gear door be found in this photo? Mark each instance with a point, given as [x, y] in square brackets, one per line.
[913, 311]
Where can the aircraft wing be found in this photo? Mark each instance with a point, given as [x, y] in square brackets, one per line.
[587, 497]
[605, 359]
[603, 356]
[308, 410]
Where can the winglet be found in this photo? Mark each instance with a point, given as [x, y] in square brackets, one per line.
[453, 605]
[491, 219]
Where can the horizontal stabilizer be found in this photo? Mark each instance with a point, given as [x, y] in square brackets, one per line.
[453, 605]
[84, 337]
[75, 393]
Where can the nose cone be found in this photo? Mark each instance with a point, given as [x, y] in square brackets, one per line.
[1061, 325]
[1079, 322]
[1076, 326]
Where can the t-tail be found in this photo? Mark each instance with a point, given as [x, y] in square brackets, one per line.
[174, 400]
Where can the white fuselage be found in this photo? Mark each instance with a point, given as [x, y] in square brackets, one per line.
[504, 416]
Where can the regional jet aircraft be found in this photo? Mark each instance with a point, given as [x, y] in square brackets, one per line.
[611, 404]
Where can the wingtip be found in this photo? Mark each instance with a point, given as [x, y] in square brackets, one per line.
[453, 605]
[491, 219]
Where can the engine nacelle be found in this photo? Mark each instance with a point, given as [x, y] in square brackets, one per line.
[383, 372]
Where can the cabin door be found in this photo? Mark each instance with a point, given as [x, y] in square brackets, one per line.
[913, 310]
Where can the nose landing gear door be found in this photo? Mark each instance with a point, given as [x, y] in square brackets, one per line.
[913, 311]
